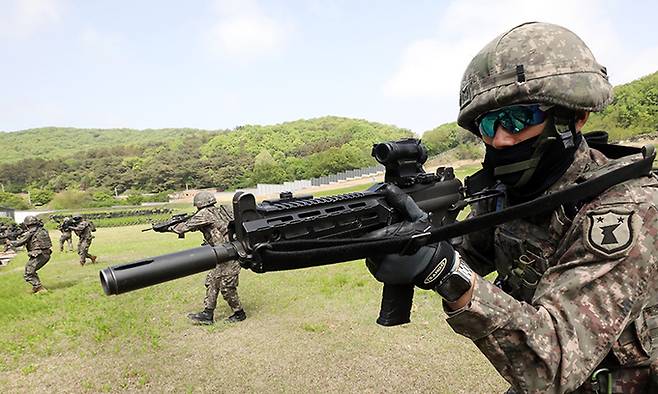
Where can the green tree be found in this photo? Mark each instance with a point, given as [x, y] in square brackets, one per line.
[135, 198]
[41, 196]
[14, 201]
[267, 170]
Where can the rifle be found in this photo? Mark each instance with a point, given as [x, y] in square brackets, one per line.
[299, 232]
[345, 218]
[64, 225]
[12, 234]
[163, 227]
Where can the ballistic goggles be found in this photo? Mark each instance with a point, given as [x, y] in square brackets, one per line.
[514, 119]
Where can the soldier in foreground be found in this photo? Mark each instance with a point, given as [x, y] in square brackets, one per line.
[211, 222]
[67, 236]
[83, 229]
[38, 244]
[575, 304]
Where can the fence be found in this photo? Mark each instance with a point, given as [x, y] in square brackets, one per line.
[265, 188]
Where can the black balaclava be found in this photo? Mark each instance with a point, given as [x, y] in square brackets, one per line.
[530, 167]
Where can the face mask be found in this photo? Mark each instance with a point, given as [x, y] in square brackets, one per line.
[514, 154]
[553, 163]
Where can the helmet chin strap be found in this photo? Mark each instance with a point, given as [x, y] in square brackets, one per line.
[560, 126]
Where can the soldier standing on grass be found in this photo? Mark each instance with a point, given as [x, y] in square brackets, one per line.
[575, 304]
[83, 229]
[211, 222]
[67, 237]
[38, 244]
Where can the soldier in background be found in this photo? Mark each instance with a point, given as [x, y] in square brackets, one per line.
[38, 245]
[67, 237]
[211, 222]
[83, 229]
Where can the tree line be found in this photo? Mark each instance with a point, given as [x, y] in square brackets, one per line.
[226, 160]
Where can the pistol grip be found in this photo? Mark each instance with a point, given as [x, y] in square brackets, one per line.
[396, 305]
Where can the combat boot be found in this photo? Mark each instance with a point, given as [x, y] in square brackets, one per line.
[237, 316]
[205, 317]
[39, 289]
[93, 259]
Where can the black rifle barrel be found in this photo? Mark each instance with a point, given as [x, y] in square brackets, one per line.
[151, 271]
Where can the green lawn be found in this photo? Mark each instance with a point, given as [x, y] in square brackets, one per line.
[311, 330]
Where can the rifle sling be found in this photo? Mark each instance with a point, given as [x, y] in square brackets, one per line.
[285, 255]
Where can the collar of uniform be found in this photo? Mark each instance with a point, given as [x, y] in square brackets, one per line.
[582, 161]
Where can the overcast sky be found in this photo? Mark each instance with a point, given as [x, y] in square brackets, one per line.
[216, 64]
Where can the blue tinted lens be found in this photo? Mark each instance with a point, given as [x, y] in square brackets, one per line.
[513, 119]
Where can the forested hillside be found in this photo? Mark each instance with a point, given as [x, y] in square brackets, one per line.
[159, 160]
[54, 142]
[633, 112]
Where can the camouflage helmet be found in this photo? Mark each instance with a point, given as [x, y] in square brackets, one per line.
[204, 199]
[76, 218]
[30, 220]
[532, 63]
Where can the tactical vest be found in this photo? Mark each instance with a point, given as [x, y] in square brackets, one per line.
[525, 249]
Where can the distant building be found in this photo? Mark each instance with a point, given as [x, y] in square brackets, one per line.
[7, 213]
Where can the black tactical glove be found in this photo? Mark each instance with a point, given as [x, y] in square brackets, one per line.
[424, 267]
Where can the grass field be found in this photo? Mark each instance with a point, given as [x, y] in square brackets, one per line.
[311, 330]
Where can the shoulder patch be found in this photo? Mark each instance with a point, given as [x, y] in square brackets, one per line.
[610, 232]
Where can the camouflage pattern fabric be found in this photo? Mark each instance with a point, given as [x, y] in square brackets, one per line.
[84, 232]
[211, 222]
[66, 237]
[595, 296]
[33, 265]
[532, 63]
[83, 249]
[224, 279]
[38, 244]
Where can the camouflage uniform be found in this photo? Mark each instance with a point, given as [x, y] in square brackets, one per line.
[83, 230]
[66, 237]
[38, 244]
[576, 289]
[225, 277]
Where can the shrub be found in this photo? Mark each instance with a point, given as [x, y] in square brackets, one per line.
[14, 201]
[41, 196]
[135, 199]
[71, 199]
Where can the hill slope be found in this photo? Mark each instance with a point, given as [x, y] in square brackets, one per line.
[54, 142]
[157, 160]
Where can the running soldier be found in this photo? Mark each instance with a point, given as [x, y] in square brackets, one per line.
[67, 234]
[38, 245]
[83, 229]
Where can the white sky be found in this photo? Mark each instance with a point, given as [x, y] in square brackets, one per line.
[217, 64]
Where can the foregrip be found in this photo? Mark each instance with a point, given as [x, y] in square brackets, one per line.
[396, 305]
[151, 271]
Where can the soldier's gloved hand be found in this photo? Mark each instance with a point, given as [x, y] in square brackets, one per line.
[425, 268]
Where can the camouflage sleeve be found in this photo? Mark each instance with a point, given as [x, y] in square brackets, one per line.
[78, 227]
[23, 239]
[200, 219]
[602, 279]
